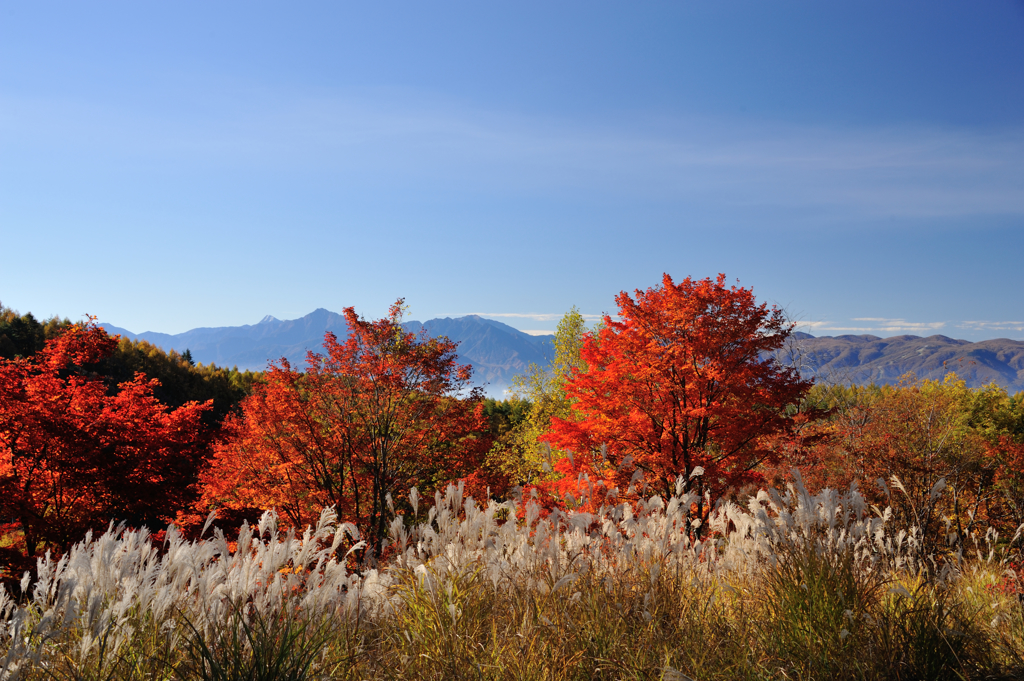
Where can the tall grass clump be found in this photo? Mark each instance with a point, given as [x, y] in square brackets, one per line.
[786, 585]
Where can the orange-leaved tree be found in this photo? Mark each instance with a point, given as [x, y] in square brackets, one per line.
[944, 454]
[683, 380]
[374, 415]
[76, 453]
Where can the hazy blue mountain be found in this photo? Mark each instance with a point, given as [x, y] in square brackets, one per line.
[249, 346]
[496, 351]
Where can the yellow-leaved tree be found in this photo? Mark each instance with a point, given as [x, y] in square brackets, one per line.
[519, 453]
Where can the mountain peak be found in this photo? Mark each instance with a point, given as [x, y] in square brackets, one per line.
[268, 320]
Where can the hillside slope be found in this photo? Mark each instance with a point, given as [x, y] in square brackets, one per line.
[866, 359]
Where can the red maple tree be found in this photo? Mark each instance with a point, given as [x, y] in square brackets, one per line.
[76, 454]
[381, 412]
[682, 380]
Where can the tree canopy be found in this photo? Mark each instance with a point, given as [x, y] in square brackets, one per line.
[680, 384]
[373, 416]
[74, 455]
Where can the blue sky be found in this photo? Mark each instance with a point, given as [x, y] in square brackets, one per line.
[180, 165]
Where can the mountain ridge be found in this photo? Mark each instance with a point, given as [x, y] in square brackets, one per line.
[497, 351]
[870, 359]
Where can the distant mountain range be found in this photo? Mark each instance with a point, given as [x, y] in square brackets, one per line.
[870, 359]
[497, 351]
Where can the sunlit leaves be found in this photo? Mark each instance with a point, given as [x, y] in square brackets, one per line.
[678, 381]
[75, 455]
[372, 416]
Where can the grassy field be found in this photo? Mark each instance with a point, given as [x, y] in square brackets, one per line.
[789, 586]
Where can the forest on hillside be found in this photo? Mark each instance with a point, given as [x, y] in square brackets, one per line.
[675, 385]
[673, 399]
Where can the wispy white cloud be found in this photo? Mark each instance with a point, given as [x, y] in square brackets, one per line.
[399, 138]
[874, 325]
[884, 326]
[880, 325]
[869, 325]
[991, 326]
[887, 324]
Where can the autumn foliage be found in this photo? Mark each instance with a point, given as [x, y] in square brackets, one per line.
[681, 381]
[77, 453]
[679, 392]
[370, 418]
[945, 458]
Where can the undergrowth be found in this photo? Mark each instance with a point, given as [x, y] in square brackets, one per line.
[791, 586]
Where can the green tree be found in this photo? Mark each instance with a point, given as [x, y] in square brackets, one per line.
[504, 415]
[22, 335]
[181, 381]
[922, 432]
[539, 395]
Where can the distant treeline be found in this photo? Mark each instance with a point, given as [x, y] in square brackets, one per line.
[181, 379]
